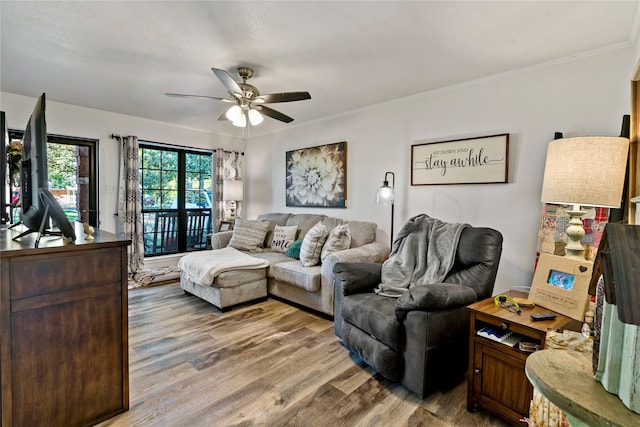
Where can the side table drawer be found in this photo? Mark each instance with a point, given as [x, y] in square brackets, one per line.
[510, 326]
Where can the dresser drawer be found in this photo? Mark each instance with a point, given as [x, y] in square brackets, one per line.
[71, 270]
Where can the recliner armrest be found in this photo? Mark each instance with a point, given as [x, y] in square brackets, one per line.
[356, 277]
[434, 296]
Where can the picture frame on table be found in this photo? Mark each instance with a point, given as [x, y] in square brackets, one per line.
[225, 225]
[561, 284]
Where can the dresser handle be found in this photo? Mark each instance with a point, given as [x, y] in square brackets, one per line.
[504, 326]
[476, 371]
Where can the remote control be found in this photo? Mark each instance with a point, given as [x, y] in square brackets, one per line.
[543, 316]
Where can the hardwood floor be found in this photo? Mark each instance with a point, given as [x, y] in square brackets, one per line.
[266, 364]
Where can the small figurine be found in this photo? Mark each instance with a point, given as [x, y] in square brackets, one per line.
[88, 231]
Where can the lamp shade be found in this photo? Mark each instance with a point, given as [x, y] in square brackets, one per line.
[384, 195]
[585, 171]
[232, 189]
[234, 113]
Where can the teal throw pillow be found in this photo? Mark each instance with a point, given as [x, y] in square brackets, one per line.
[293, 251]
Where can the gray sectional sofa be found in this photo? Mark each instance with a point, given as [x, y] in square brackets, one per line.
[311, 287]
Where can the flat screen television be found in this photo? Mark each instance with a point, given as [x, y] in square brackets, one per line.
[5, 190]
[37, 203]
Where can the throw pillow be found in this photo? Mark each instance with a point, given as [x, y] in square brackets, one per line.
[339, 239]
[312, 245]
[283, 236]
[293, 251]
[248, 235]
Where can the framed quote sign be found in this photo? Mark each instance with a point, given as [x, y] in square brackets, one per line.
[480, 160]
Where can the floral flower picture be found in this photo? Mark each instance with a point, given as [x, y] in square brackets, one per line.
[317, 176]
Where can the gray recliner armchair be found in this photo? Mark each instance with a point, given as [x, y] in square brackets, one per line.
[421, 338]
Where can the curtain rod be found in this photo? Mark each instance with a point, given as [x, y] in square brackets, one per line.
[118, 137]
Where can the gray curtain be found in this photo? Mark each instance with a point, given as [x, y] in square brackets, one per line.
[129, 205]
[226, 165]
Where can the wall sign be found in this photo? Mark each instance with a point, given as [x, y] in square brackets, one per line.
[481, 160]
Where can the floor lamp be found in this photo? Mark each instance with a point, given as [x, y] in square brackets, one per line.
[584, 171]
[385, 196]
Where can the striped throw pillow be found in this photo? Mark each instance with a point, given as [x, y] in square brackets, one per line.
[312, 245]
[248, 235]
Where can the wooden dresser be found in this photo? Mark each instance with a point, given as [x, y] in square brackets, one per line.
[63, 331]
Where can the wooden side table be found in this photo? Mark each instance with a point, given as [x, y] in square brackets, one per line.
[566, 379]
[496, 376]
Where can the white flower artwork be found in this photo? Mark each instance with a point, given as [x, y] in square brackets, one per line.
[316, 176]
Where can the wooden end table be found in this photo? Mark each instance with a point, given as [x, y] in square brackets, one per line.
[496, 376]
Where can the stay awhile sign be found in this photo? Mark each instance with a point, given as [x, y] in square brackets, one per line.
[461, 161]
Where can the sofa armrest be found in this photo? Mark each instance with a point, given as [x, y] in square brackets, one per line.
[434, 296]
[356, 277]
[375, 252]
[221, 239]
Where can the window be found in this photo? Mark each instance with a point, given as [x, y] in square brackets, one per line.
[72, 168]
[176, 198]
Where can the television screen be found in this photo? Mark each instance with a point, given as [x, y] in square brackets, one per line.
[37, 203]
[5, 189]
[34, 173]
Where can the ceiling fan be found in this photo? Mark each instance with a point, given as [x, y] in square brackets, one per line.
[249, 105]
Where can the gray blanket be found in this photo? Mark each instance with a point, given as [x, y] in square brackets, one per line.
[423, 252]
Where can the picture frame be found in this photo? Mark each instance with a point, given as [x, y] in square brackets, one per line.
[225, 225]
[481, 160]
[317, 176]
[561, 284]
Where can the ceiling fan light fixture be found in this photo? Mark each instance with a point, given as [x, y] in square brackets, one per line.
[241, 122]
[235, 114]
[255, 118]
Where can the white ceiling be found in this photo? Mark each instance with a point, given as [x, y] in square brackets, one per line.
[123, 56]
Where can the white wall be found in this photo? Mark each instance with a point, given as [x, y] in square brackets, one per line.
[71, 120]
[586, 96]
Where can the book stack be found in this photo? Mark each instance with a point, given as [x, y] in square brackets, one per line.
[500, 335]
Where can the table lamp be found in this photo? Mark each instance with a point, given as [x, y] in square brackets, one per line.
[231, 192]
[584, 171]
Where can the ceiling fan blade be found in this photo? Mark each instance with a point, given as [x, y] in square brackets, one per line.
[184, 95]
[282, 97]
[227, 81]
[222, 117]
[270, 112]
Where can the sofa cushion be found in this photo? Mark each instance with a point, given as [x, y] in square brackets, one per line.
[312, 245]
[295, 274]
[273, 219]
[362, 232]
[304, 222]
[293, 251]
[374, 315]
[233, 278]
[248, 235]
[339, 239]
[273, 257]
[332, 223]
[283, 236]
